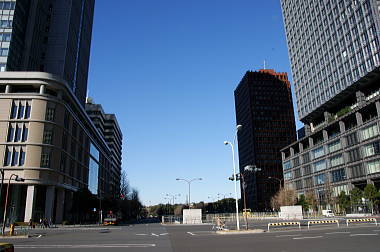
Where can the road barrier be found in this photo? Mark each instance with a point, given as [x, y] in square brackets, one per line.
[361, 220]
[284, 224]
[322, 222]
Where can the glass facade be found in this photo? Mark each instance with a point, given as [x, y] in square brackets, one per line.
[331, 45]
[93, 176]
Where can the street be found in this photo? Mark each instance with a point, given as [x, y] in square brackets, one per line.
[157, 237]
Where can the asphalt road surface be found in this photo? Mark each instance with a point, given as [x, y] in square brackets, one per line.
[199, 238]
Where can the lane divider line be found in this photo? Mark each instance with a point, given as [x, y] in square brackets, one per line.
[308, 237]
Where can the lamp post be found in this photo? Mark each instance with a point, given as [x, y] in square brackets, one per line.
[279, 180]
[238, 127]
[189, 182]
[6, 198]
[173, 196]
[248, 168]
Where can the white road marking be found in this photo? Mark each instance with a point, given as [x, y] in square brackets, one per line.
[309, 237]
[287, 235]
[339, 233]
[190, 233]
[164, 234]
[377, 230]
[155, 234]
[363, 234]
[84, 246]
[39, 236]
[141, 234]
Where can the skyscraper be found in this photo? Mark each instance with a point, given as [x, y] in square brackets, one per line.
[332, 44]
[46, 136]
[264, 108]
[51, 36]
[334, 51]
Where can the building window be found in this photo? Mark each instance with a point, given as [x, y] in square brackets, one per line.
[50, 112]
[296, 161]
[373, 166]
[306, 158]
[353, 155]
[74, 130]
[64, 141]
[22, 157]
[337, 160]
[370, 132]
[15, 157]
[72, 168]
[11, 133]
[308, 182]
[334, 146]
[319, 152]
[287, 165]
[7, 157]
[62, 166]
[352, 139]
[45, 158]
[66, 120]
[48, 135]
[357, 171]
[319, 179]
[17, 132]
[298, 184]
[337, 190]
[14, 110]
[371, 149]
[338, 175]
[307, 170]
[297, 173]
[319, 165]
[288, 175]
[20, 110]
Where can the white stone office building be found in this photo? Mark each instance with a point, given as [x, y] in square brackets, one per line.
[47, 138]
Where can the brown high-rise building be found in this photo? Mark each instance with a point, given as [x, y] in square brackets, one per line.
[263, 103]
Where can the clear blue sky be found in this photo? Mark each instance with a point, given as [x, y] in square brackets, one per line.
[168, 70]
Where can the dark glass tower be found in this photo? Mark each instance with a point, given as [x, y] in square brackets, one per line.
[264, 108]
[51, 36]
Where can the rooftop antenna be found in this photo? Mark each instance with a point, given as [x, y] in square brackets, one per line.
[264, 65]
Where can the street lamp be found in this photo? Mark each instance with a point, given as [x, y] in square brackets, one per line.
[238, 127]
[279, 180]
[189, 182]
[173, 196]
[248, 168]
[18, 179]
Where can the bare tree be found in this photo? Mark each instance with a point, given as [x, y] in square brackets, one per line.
[284, 197]
[125, 189]
[311, 199]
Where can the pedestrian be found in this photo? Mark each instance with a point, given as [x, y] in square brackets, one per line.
[41, 223]
[30, 223]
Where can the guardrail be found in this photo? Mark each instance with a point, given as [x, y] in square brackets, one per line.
[361, 220]
[322, 222]
[285, 224]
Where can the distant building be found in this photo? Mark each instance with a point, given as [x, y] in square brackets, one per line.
[51, 36]
[264, 108]
[108, 126]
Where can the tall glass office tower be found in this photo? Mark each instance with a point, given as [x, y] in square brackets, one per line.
[334, 51]
[51, 36]
[332, 44]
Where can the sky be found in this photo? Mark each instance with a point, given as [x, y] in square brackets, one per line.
[168, 70]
